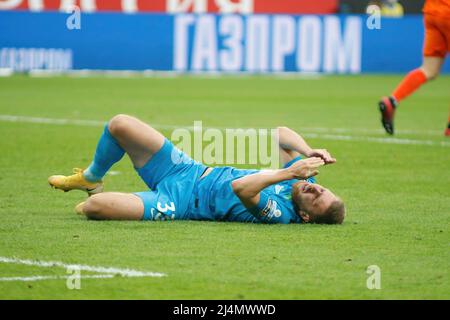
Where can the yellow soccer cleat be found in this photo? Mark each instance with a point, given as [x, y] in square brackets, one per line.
[79, 208]
[75, 181]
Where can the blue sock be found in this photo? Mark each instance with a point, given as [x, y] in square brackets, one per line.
[108, 152]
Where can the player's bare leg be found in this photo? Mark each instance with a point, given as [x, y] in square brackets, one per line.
[139, 140]
[123, 134]
[112, 206]
[432, 67]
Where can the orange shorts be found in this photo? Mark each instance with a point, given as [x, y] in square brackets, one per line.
[437, 36]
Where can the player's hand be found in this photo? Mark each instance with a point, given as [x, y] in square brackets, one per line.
[306, 168]
[323, 154]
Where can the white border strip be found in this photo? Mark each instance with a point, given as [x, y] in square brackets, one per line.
[308, 132]
[106, 270]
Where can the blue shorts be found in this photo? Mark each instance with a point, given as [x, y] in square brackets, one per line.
[171, 175]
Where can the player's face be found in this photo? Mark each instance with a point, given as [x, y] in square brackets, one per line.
[312, 198]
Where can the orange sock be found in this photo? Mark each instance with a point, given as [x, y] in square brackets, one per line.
[409, 84]
[447, 131]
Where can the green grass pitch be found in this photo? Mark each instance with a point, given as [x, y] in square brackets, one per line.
[397, 191]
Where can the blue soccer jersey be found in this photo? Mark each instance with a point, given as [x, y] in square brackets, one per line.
[178, 193]
[214, 199]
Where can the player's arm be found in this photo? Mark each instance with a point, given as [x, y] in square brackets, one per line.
[292, 145]
[248, 188]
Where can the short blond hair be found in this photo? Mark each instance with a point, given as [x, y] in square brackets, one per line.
[335, 214]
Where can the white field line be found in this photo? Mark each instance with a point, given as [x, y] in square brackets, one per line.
[23, 119]
[40, 278]
[321, 133]
[378, 140]
[97, 123]
[86, 73]
[104, 270]
[373, 131]
[113, 173]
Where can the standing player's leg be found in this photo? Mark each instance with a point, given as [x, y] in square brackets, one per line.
[123, 134]
[112, 206]
[435, 50]
[447, 131]
[430, 69]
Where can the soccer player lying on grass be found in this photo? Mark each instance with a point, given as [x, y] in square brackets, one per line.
[183, 189]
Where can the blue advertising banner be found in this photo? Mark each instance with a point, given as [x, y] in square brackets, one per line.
[195, 43]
